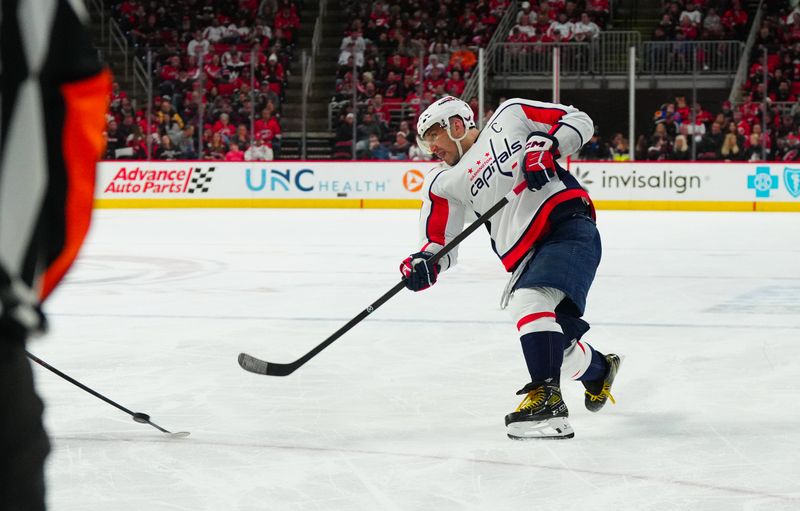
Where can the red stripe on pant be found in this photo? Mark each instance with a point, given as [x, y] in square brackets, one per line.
[533, 317]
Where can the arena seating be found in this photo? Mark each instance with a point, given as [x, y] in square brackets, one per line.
[202, 56]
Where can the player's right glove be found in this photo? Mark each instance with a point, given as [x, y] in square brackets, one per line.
[418, 272]
[541, 151]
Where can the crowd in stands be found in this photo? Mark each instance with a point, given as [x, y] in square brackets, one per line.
[702, 20]
[406, 54]
[732, 133]
[757, 128]
[560, 21]
[215, 65]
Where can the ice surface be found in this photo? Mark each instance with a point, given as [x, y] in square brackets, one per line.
[406, 410]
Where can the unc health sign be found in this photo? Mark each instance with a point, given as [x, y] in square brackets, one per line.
[684, 181]
[254, 180]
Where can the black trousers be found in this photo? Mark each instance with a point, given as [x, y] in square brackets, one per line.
[23, 441]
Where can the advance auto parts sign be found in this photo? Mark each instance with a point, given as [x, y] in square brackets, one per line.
[140, 180]
[259, 180]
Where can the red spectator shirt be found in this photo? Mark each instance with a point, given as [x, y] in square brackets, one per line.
[226, 130]
[454, 87]
[286, 22]
[733, 18]
[383, 114]
[597, 5]
[168, 72]
[266, 130]
[234, 156]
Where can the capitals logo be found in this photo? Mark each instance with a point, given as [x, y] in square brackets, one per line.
[485, 170]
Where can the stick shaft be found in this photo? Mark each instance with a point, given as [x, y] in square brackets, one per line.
[77, 383]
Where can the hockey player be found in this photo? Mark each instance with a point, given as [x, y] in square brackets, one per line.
[546, 237]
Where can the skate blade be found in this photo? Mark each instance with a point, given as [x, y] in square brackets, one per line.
[557, 428]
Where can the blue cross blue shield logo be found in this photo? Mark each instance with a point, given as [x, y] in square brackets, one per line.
[791, 178]
[762, 182]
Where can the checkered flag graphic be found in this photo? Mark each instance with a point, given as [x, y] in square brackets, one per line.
[201, 180]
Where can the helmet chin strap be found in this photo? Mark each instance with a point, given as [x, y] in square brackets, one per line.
[457, 140]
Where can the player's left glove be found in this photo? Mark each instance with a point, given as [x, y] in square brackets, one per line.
[541, 151]
[418, 272]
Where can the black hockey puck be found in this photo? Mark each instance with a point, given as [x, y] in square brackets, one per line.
[141, 417]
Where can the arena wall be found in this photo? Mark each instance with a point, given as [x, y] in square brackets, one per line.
[689, 186]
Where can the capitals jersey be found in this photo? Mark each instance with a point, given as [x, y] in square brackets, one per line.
[490, 169]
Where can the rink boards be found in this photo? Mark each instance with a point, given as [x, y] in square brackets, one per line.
[687, 186]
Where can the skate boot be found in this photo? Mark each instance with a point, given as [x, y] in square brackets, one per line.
[599, 391]
[542, 414]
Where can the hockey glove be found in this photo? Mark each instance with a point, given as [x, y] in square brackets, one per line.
[418, 272]
[541, 151]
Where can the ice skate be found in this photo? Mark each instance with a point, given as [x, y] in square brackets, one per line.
[599, 391]
[541, 414]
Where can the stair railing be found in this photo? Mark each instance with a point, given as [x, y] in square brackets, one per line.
[308, 66]
[744, 63]
[95, 8]
[117, 38]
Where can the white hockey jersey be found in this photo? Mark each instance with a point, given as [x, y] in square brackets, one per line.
[490, 169]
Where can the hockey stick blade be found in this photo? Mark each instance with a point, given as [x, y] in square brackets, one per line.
[256, 365]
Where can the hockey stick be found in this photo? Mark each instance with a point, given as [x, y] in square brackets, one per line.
[258, 366]
[139, 417]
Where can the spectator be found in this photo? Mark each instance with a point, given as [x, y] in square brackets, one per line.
[525, 28]
[680, 150]
[526, 12]
[433, 63]
[213, 69]
[730, 150]
[353, 45]
[214, 32]
[344, 132]
[259, 151]
[399, 150]
[167, 150]
[223, 127]
[455, 85]
[166, 116]
[621, 152]
[561, 30]
[114, 140]
[216, 149]
[735, 20]
[137, 142]
[755, 151]
[462, 56]
[242, 137]
[595, 149]
[197, 46]
[369, 126]
[586, 29]
[711, 145]
[712, 24]
[659, 148]
[692, 14]
[267, 128]
[376, 150]
[185, 143]
[287, 21]
[234, 153]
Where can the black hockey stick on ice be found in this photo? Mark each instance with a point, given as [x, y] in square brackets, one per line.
[258, 366]
[139, 417]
